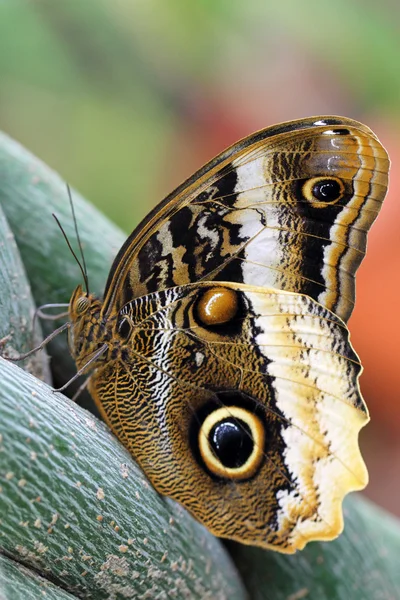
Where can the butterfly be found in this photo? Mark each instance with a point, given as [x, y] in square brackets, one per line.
[220, 356]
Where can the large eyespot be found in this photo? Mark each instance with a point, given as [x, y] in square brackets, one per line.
[217, 306]
[82, 304]
[231, 442]
[323, 191]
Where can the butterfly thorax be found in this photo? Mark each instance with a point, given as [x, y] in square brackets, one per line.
[89, 330]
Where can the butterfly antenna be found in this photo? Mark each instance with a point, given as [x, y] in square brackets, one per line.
[84, 275]
[86, 278]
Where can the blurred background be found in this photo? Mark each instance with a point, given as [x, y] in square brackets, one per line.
[126, 98]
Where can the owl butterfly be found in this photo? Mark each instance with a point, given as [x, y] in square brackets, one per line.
[220, 355]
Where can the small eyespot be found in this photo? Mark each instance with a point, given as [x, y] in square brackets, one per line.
[323, 191]
[82, 304]
[124, 328]
[231, 442]
[217, 306]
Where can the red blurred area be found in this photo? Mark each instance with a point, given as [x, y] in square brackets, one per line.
[375, 333]
[375, 323]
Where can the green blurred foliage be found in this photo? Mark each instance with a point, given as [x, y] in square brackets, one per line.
[126, 98]
[102, 89]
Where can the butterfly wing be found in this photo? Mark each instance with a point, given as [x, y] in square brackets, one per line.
[288, 207]
[249, 419]
[240, 399]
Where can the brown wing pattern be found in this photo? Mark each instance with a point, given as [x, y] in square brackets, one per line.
[288, 207]
[282, 364]
[222, 359]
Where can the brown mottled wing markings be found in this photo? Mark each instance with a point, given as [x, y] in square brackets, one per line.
[243, 218]
[286, 354]
[248, 228]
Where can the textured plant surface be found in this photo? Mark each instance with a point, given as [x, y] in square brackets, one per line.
[77, 516]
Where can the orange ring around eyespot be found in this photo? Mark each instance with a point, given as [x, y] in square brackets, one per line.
[257, 430]
[307, 188]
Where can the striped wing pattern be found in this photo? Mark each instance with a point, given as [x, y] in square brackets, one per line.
[224, 361]
[244, 218]
[286, 359]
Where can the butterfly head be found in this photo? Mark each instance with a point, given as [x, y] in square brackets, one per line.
[88, 330]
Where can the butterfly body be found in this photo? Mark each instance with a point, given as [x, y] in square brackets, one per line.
[222, 358]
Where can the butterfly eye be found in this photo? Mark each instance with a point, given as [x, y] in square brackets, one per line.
[231, 442]
[82, 304]
[323, 190]
[124, 328]
[217, 306]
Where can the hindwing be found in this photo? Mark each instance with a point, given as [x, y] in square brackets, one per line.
[280, 362]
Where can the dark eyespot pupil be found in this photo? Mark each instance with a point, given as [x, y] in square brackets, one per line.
[326, 190]
[231, 442]
[124, 328]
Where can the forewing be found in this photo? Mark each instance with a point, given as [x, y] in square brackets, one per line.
[246, 217]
